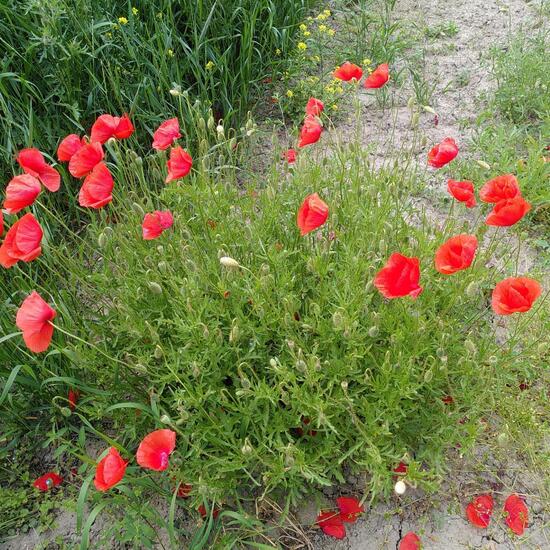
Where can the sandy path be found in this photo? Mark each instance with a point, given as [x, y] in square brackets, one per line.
[439, 520]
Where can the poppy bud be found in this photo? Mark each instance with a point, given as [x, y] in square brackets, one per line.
[428, 109]
[470, 346]
[201, 123]
[273, 362]
[246, 449]
[440, 353]
[232, 143]
[493, 360]
[210, 122]
[165, 419]
[205, 332]
[411, 103]
[220, 131]
[155, 288]
[502, 439]
[483, 164]
[472, 289]
[344, 385]
[226, 261]
[400, 487]
[337, 319]
[139, 161]
[249, 123]
[158, 353]
[301, 365]
[428, 375]
[163, 266]
[290, 344]
[374, 331]
[415, 118]
[138, 209]
[141, 369]
[65, 411]
[234, 334]
[101, 240]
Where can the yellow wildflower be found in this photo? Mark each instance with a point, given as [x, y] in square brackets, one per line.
[303, 27]
[289, 93]
[331, 32]
[109, 34]
[322, 28]
[302, 46]
[135, 11]
[327, 13]
[209, 66]
[307, 33]
[316, 58]
[277, 51]
[123, 20]
[367, 61]
[334, 107]
[170, 53]
[321, 17]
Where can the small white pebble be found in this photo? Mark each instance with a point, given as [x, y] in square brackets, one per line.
[400, 488]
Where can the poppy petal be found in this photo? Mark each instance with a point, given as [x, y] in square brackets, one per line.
[21, 192]
[166, 134]
[97, 188]
[155, 448]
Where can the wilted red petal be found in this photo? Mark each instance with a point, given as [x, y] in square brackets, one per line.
[184, 490]
[310, 132]
[456, 254]
[331, 524]
[68, 147]
[72, 398]
[399, 277]
[401, 468]
[97, 188]
[48, 481]
[508, 211]
[411, 541]
[443, 153]
[21, 192]
[166, 134]
[85, 159]
[154, 224]
[110, 470]
[34, 318]
[202, 511]
[517, 517]
[348, 71]
[515, 295]
[479, 511]
[179, 164]
[378, 77]
[155, 448]
[462, 191]
[350, 509]
[290, 156]
[312, 214]
[500, 188]
[314, 107]
[22, 242]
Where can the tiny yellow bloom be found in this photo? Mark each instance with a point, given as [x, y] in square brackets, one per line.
[135, 11]
[340, 90]
[123, 20]
[303, 27]
[209, 66]
[310, 18]
[327, 13]
[277, 51]
[322, 28]
[331, 32]
[170, 53]
[109, 34]
[289, 93]
[307, 33]
[321, 17]
[316, 58]
[329, 89]
[334, 107]
[159, 15]
[367, 61]
[302, 46]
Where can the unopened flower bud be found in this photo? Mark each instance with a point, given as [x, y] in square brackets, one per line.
[158, 353]
[470, 346]
[138, 209]
[374, 331]
[344, 385]
[428, 375]
[165, 419]
[472, 290]
[155, 288]
[246, 449]
[101, 240]
[226, 261]
[337, 319]
[483, 164]
[220, 131]
[201, 123]
[400, 487]
[234, 334]
[163, 266]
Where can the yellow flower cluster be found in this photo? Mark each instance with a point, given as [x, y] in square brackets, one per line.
[135, 11]
[302, 46]
[289, 93]
[170, 53]
[209, 66]
[123, 20]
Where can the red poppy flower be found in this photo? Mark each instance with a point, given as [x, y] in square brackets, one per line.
[350, 509]
[97, 188]
[154, 224]
[479, 511]
[443, 153]
[378, 77]
[515, 295]
[517, 514]
[184, 490]
[401, 468]
[85, 159]
[1, 223]
[33, 163]
[21, 191]
[73, 397]
[500, 188]
[310, 132]
[34, 319]
[312, 214]
[166, 134]
[331, 523]
[508, 211]
[348, 71]
[108, 126]
[399, 277]
[314, 107]
[109, 470]
[462, 191]
[411, 541]
[202, 511]
[68, 147]
[22, 242]
[456, 254]
[48, 481]
[290, 156]
[179, 164]
[155, 448]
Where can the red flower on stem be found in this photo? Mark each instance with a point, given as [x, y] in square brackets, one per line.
[290, 156]
[399, 277]
[83, 161]
[22, 242]
[34, 319]
[33, 163]
[97, 188]
[166, 134]
[462, 191]
[108, 126]
[48, 481]
[500, 188]
[179, 164]
[155, 448]
[69, 146]
[21, 192]
[314, 107]
[479, 511]
[442, 153]
[456, 254]
[154, 224]
[508, 212]
[378, 77]
[515, 295]
[517, 517]
[72, 398]
[411, 541]
[310, 132]
[348, 71]
[312, 214]
[109, 470]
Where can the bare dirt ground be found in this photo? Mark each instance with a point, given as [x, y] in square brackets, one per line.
[456, 64]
